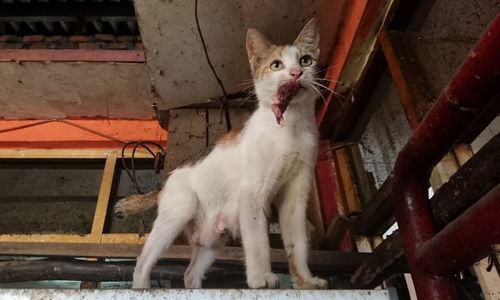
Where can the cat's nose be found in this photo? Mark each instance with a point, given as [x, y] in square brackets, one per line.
[296, 73]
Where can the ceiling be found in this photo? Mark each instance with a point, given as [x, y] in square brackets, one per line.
[175, 73]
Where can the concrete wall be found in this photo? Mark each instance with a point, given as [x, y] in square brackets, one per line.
[61, 196]
[441, 34]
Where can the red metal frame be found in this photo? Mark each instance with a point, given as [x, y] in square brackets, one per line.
[432, 256]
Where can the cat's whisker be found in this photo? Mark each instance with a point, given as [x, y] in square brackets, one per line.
[330, 90]
[325, 69]
[247, 98]
[332, 80]
[319, 93]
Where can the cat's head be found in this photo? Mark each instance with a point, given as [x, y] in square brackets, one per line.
[273, 66]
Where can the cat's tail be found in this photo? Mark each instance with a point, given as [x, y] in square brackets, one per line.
[134, 204]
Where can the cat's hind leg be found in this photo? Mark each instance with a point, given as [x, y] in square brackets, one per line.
[201, 259]
[177, 207]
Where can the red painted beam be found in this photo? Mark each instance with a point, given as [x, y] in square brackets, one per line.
[77, 134]
[16, 55]
[471, 89]
[446, 253]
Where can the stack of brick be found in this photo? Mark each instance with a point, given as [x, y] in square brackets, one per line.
[98, 41]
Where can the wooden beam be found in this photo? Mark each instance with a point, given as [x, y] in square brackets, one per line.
[83, 55]
[78, 134]
[315, 216]
[67, 154]
[336, 232]
[474, 179]
[334, 261]
[407, 76]
[354, 14]
[375, 214]
[103, 198]
[355, 50]
[346, 183]
[108, 238]
[488, 280]
[387, 258]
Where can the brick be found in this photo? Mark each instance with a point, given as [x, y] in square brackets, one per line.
[89, 46]
[118, 46]
[42, 45]
[9, 38]
[33, 38]
[81, 38]
[55, 38]
[127, 38]
[67, 45]
[104, 37]
[11, 45]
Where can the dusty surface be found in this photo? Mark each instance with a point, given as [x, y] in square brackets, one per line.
[37, 197]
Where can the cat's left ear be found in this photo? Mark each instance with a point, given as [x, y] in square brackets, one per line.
[309, 36]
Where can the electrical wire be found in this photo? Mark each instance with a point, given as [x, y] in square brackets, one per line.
[219, 81]
[130, 172]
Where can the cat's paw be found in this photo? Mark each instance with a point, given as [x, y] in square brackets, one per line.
[190, 282]
[267, 280]
[312, 283]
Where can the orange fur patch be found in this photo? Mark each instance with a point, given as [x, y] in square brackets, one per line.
[294, 272]
[230, 138]
[264, 67]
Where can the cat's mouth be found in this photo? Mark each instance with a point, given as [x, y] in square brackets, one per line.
[283, 97]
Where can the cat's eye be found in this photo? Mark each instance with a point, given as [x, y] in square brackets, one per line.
[276, 65]
[306, 61]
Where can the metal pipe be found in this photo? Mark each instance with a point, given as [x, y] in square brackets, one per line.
[459, 244]
[472, 87]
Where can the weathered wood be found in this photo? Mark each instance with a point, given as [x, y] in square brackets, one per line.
[387, 258]
[376, 213]
[411, 86]
[66, 154]
[474, 179]
[336, 232]
[334, 261]
[355, 50]
[363, 180]
[479, 174]
[488, 280]
[103, 198]
[315, 216]
[346, 184]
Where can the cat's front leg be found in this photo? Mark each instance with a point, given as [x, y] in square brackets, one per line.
[292, 216]
[254, 233]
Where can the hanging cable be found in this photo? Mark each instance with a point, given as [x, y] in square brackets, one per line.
[224, 108]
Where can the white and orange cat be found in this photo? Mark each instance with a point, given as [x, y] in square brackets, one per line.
[269, 162]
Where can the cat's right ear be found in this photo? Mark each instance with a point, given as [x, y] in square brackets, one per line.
[256, 44]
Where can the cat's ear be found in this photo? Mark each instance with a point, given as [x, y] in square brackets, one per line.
[309, 36]
[256, 43]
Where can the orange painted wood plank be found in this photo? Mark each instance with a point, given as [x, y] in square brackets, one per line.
[77, 134]
[9, 55]
[346, 37]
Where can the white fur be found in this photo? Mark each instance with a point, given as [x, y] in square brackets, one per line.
[239, 181]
